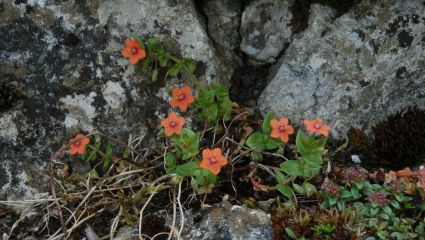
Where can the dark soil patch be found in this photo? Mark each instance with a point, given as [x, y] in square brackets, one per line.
[247, 83]
[301, 11]
[9, 96]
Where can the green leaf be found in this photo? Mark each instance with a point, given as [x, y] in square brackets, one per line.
[291, 167]
[108, 155]
[152, 42]
[313, 158]
[290, 233]
[340, 205]
[210, 113]
[280, 178]
[346, 194]
[194, 184]
[256, 156]
[374, 211]
[309, 189]
[93, 153]
[298, 188]
[187, 169]
[205, 98]
[163, 61]
[397, 235]
[272, 143]
[257, 141]
[189, 65]
[266, 123]
[146, 62]
[173, 71]
[309, 171]
[155, 75]
[170, 160]
[94, 174]
[220, 90]
[225, 110]
[285, 190]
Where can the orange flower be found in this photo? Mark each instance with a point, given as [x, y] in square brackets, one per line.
[182, 98]
[281, 129]
[133, 51]
[79, 145]
[317, 126]
[213, 159]
[173, 124]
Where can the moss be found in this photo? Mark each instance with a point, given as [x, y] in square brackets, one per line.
[399, 141]
[359, 141]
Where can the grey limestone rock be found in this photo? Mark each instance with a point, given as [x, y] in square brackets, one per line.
[354, 70]
[232, 222]
[265, 29]
[65, 58]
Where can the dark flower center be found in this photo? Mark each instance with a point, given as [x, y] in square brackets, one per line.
[281, 129]
[133, 50]
[181, 97]
[213, 160]
[173, 124]
[77, 144]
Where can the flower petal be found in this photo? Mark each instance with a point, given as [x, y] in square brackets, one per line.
[275, 133]
[176, 92]
[168, 131]
[283, 121]
[126, 52]
[205, 164]
[215, 169]
[134, 59]
[289, 129]
[129, 43]
[141, 53]
[186, 90]
[174, 102]
[323, 132]
[207, 154]
[72, 150]
[182, 121]
[274, 123]
[190, 98]
[85, 141]
[183, 106]
[216, 152]
[164, 122]
[221, 161]
[284, 137]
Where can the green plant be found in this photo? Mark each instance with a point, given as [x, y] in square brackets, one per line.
[306, 167]
[262, 141]
[214, 103]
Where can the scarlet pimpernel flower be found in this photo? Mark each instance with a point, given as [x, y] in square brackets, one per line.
[213, 159]
[281, 129]
[173, 124]
[78, 145]
[182, 98]
[133, 51]
[317, 126]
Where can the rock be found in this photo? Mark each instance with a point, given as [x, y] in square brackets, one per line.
[265, 29]
[353, 71]
[223, 22]
[232, 222]
[65, 58]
